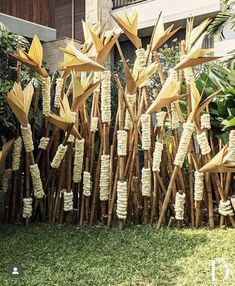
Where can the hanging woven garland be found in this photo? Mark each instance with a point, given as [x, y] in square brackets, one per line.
[146, 182]
[68, 201]
[86, 184]
[205, 121]
[27, 138]
[104, 177]
[146, 131]
[16, 154]
[78, 160]
[43, 143]
[59, 155]
[203, 143]
[46, 96]
[184, 143]
[157, 156]
[27, 207]
[198, 186]
[37, 183]
[121, 200]
[58, 91]
[179, 206]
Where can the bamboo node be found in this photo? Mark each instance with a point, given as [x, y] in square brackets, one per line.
[203, 143]
[86, 184]
[205, 121]
[121, 143]
[104, 177]
[59, 155]
[94, 124]
[27, 207]
[68, 201]
[121, 200]
[157, 156]
[46, 95]
[146, 182]
[27, 138]
[179, 206]
[198, 186]
[184, 143]
[16, 154]
[78, 160]
[58, 91]
[146, 131]
[36, 180]
[43, 143]
[225, 208]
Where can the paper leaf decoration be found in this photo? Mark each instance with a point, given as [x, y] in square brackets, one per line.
[64, 120]
[5, 150]
[133, 81]
[160, 35]
[96, 28]
[168, 94]
[32, 59]
[192, 34]
[103, 44]
[129, 25]
[20, 100]
[219, 163]
[195, 55]
[74, 59]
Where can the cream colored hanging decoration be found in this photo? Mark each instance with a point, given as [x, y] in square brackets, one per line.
[27, 138]
[203, 143]
[146, 131]
[27, 207]
[160, 116]
[231, 146]
[86, 184]
[179, 206]
[184, 143]
[205, 121]
[198, 186]
[43, 143]
[36, 180]
[46, 96]
[94, 124]
[175, 121]
[121, 200]
[146, 182]
[59, 155]
[225, 208]
[157, 156]
[78, 160]
[106, 97]
[58, 91]
[104, 177]
[17, 147]
[68, 201]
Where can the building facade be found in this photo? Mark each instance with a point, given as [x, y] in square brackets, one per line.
[54, 20]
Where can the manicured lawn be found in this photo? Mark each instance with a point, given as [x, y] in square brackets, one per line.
[64, 256]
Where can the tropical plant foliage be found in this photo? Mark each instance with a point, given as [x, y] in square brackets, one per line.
[223, 19]
[8, 74]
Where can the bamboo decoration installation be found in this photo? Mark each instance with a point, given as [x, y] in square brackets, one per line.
[143, 161]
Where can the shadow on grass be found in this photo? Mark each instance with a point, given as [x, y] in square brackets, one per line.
[60, 255]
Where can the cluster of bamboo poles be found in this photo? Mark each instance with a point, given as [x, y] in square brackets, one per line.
[108, 173]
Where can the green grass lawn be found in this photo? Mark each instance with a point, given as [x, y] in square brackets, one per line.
[64, 256]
